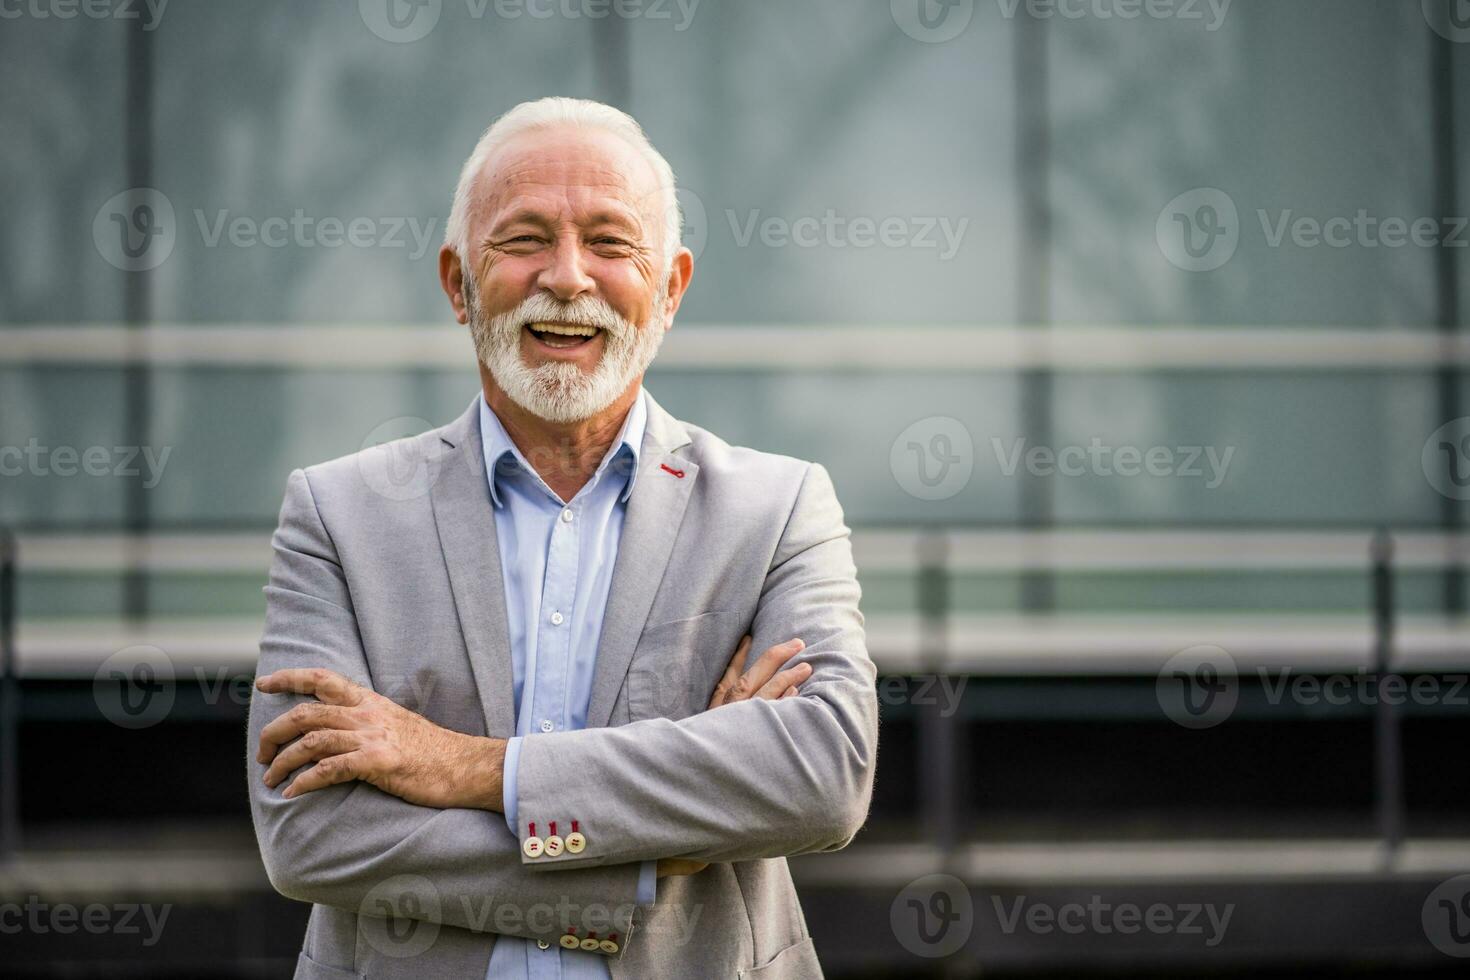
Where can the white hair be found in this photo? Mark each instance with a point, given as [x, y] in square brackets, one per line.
[544, 114]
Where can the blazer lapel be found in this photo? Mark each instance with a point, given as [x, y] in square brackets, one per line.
[465, 519]
[655, 511]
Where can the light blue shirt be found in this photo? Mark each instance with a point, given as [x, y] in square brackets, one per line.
[557, 559]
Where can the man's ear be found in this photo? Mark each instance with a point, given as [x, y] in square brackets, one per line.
[680, 272]
[451, 280]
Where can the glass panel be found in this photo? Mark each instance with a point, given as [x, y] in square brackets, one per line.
[1293, 110]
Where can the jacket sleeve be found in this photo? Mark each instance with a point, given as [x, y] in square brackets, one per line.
[756, 779]
[354, 847]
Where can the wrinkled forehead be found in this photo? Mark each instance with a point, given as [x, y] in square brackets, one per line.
[588, 170]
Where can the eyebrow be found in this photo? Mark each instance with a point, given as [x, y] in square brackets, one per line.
[602, 216]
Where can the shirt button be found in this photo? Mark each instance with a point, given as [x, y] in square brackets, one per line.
[557, 619]
[546, 725]
[543, 944]
[566, 516]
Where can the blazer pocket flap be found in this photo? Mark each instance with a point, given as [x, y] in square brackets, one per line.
[796, 962]
[676, 665]
[679, 627]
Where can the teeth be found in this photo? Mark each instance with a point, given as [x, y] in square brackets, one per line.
[569, 329]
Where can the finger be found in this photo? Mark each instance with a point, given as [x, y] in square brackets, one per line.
[778, 685]
[791, 692]
[678, 866]
[329, 772]
[326, 685]
[311, 747]
[764, 669]
[732, 673]
[782, 652]
[305, 717]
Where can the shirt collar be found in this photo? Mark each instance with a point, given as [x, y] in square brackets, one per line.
[497, 444]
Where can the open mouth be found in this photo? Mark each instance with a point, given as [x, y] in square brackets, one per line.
[562, 336]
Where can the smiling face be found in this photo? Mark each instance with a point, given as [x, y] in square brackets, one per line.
[566, 284]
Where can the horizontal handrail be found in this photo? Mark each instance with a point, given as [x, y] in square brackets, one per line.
[1000, 644]
[875, 550]
[765, 347]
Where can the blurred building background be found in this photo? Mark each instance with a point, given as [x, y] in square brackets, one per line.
[1128, 329]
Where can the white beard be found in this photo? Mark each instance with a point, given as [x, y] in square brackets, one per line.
[559, 391]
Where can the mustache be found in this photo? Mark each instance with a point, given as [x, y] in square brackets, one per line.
[589, 311]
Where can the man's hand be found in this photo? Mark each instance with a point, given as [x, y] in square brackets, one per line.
[764, 679]
[668, 867]
[351, 732]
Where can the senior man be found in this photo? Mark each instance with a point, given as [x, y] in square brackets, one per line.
[498, 730]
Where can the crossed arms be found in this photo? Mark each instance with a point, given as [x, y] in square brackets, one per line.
[761, 776]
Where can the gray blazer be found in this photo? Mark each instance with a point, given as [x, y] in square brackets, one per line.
[386, 570]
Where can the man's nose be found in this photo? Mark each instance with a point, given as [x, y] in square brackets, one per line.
[565, 276]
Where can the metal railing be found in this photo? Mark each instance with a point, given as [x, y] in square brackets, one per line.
[9, 702]
[932, 556]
